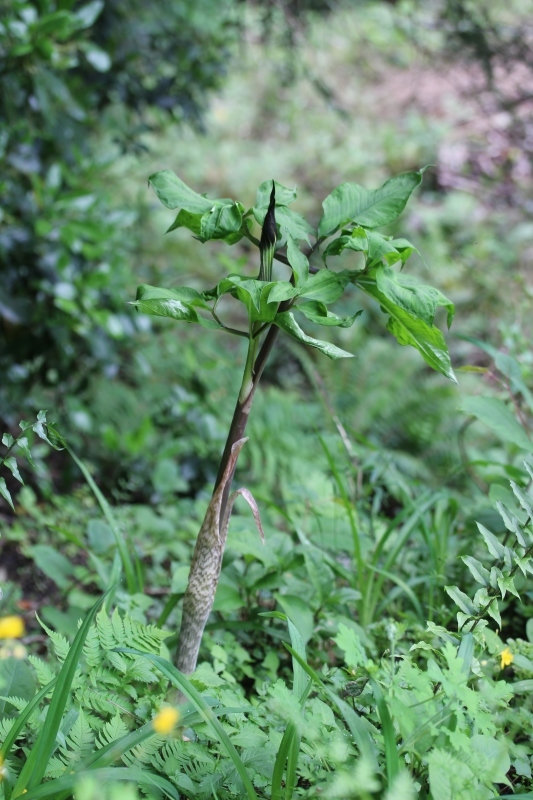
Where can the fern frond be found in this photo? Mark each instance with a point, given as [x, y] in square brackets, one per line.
[79, 743]
[105, 630]
[111, 731]
[61, 645]
[55, 768]
[145, 751]
[44, 672]
[91, 649]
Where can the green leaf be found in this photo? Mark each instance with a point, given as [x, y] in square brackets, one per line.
[410, 295]
[11, 464]
[326, 286]
[380, 249]
[499, 418]
[289, 222]
[16, 680]
[53, 563]
[461, 599]
[173, 193]
[4, 491]
[284, 196]
[282, 290]
[225, 217]
[298, 611]
[187, 220]
[179, 304]
[410, 329]
[356, 240]
[479, 573]
[318, 312]
[298, 261]
[134, 775]
[286, 322]
[35, 766]
[350, 202]
[495, 548]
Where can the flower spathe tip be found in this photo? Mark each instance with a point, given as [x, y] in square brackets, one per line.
[166, 720]
[11, 627]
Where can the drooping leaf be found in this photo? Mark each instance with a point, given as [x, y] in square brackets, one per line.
[11, 464]
[416, 298]
[325, 286]
[407, 327]
[179, 304]
[499, 418]
[316, 311]
[286, 322]
[282, 290]
[4, 491]
[173, 193]
[350, 202]
[284, 196]
[356, 240]
[225, 217]
[298, 261]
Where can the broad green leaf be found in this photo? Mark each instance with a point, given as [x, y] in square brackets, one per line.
[318, 312]
[4, 491]
[187, 220]
[289, 222]
[16, 680]
[495, 548]
[282, 290]
[461, 599]
[286, 322]
[54, 564]
[325, 286]
[284, 196]
[7, 439]
[356, 240]
[298, 611]
[380, 249]
[410, 329]
[11, 464]
[298, 261]
[179, 304]
[181, 293]
[416, 298]
[220, 220]
[480, 574]
[405, 249]
[499, 418]
[350, 202]
[173, 193]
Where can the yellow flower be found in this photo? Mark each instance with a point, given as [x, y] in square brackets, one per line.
[506, 658]
[166, 720]
[11, 627]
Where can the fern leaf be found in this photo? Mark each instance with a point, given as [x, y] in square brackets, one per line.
[91, 649]
[55, 768]
[111, 731]
[118, 627]
[105, 630]
[43, 671]
[79, 743]
[61, 645]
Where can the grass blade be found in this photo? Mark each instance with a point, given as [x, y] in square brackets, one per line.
[133, 774]
[134, 585]
[389, 735]
[357, 726]
[33, 770]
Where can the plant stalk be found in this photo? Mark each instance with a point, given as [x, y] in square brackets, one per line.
[209, 549]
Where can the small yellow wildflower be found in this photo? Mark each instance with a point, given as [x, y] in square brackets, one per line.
[11, 627]
[166, 720]
[506, 658]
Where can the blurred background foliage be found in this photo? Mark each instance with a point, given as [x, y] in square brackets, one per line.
[96, 96]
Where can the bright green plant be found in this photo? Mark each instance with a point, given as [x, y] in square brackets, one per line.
[270, 306]
[41, 428]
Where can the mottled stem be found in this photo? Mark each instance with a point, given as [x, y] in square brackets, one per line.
[207, 558]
